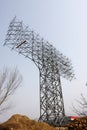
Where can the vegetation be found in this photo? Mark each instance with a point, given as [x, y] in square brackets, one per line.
[82, 106]
[9, 82]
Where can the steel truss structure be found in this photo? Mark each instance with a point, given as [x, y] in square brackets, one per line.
[51, 64]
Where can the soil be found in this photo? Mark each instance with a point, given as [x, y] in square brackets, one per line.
[20, 122]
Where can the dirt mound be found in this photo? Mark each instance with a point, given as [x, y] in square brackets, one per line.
[19, 122]
[78, 124]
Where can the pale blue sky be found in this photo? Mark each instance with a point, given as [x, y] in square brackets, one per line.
[64, 24]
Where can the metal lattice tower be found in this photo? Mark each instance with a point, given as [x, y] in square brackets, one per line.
[51, 64]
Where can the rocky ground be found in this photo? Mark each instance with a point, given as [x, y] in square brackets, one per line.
[20, 122]
[78, 124]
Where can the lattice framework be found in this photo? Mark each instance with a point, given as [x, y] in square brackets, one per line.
[51, 64]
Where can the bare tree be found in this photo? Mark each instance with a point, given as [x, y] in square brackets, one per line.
[82, 106]
[9, 82]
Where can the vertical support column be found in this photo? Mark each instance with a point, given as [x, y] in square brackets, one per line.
[51, 98]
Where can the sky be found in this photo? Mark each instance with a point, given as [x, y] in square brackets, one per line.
[64, 24]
